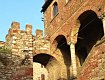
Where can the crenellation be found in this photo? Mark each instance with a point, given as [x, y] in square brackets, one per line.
[15, 25]
[29, 29]
[39, 33]
[23, 43]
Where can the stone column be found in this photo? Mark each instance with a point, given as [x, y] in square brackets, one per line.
[103, 20]
[73, 59]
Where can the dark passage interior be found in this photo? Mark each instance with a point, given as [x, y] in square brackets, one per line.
[65, 50]
[50, 63]
[90, 31]
[42, 58]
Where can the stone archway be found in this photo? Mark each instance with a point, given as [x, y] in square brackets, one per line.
[50, 64]
[63, 49]
[89, 32]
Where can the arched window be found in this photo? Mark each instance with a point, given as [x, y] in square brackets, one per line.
[55, 9]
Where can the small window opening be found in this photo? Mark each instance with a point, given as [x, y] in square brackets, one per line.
[55, 9]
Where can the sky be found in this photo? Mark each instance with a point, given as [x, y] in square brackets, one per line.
[22, 11]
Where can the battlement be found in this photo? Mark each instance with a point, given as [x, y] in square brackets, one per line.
[15, 28]
[15, 25]
[28, 29]
[23, 42]
[39, 33]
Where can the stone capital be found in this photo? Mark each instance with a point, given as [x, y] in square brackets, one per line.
[102, 16]
[71, 42]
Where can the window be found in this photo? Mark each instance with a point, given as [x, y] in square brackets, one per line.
[55, 9]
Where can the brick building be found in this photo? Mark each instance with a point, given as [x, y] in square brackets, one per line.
[73, 46]
[76, 32]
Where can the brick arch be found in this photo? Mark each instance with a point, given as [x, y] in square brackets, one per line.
[36, 52]
[61, 48]
[54, 41]
[87, 33]
[95, 8]
[58, 34]
[51, 64]
[74, 31]
[47, 53]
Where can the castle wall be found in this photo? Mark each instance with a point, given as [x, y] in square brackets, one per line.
[23, 43]
[20, 41]
[94, 66]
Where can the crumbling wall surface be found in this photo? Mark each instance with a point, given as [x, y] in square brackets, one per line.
[19, 63]
[10, 69]
[20, 41]
[94, 66]
[40, 44]
[22, 73]
[16, 73]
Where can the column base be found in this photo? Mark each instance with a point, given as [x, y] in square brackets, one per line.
[73, 78]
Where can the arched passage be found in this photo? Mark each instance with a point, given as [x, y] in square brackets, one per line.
[61, 44]
[90, 31]
[50, 63]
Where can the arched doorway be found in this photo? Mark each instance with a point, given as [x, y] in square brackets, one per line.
[65, 52]
[49, 63]
[90, 31]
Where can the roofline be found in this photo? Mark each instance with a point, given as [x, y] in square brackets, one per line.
[46, 4]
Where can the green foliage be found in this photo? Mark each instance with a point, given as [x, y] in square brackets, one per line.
[4, 49]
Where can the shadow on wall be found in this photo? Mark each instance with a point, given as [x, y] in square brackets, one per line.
[65, 51]
[50, 63]
[90, 31]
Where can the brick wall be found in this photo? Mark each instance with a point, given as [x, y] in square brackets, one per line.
[66, 23]
[94, 66]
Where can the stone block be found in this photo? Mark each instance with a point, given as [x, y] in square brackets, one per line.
[15, 25]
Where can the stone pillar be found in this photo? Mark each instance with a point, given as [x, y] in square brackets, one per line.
[103, 20]
[73, 59]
